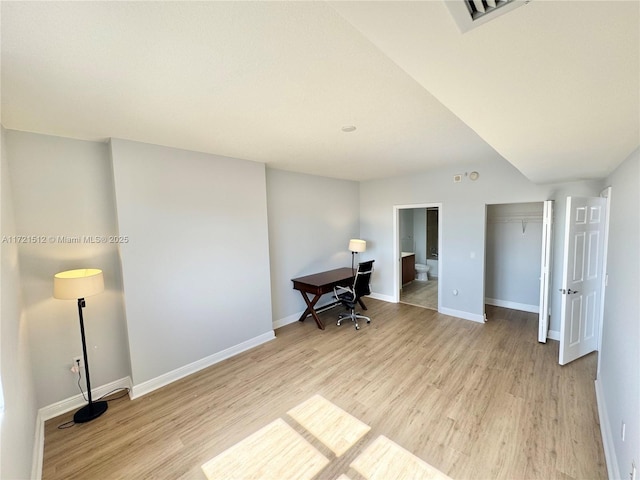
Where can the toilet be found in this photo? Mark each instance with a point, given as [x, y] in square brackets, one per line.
[422, 272]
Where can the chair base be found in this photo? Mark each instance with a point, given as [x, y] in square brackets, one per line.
[353, 316]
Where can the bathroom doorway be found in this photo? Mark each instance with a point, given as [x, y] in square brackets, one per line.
[417, 247]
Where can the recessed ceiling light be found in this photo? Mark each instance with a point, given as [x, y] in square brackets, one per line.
[348, 128]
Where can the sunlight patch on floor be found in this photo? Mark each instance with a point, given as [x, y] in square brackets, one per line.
[384, 459]
[278, 451]
[275, 451]
[334, 427]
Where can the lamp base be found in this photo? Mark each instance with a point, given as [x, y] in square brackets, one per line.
[90, 412]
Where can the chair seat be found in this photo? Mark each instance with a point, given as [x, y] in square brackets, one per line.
[348, 299]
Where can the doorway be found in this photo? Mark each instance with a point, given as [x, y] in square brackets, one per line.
[417, 247]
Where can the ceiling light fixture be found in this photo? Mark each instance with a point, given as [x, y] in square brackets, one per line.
[348, 128]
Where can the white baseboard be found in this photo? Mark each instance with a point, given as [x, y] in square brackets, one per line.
[553, 335]
[512, 305]
[384, 298]
[474, 317]
[169, 377]
[64, 406]
[607, 435]
[295, 316]
[77, 401]
[286, 320]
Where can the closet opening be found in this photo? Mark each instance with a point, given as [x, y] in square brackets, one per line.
[515, 256]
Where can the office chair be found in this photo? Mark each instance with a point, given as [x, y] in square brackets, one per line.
[349, 296]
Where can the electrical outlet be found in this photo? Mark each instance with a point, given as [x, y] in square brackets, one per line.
[77, 362]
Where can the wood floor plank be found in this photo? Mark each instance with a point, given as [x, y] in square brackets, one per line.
[472, 400]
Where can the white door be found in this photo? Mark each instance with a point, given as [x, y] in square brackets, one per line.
[582, 277]
[545, 270]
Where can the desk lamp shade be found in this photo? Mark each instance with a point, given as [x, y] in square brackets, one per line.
[76, 285]
[357, 246]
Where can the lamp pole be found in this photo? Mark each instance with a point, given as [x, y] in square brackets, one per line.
[92, 409]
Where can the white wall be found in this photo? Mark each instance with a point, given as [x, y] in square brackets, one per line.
[512, 259]
[64, 188]
[619, 376]
[413, 232]
[405, 220]
[18, 420]
[311, 220]
[463, 223]
[196, 267]
[420, 234]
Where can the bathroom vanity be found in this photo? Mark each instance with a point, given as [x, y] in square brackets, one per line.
[408, 267]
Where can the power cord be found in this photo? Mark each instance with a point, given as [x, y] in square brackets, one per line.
[79, 386]
[125, 392]
[76, 369]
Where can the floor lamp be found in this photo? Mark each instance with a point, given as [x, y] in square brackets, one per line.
[72, 285]
[356, 246]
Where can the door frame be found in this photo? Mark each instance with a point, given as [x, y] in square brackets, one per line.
[606, 193]
[545, 271]
[397, 272]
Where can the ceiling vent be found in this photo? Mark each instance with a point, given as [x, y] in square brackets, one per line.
[478, 8]
[469, 14]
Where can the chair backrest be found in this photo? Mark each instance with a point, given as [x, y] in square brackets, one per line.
[363, 278]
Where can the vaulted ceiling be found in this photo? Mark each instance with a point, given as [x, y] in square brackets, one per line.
[553, 87]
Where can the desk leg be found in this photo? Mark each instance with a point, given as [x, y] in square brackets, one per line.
[364, 307]
[311, 309]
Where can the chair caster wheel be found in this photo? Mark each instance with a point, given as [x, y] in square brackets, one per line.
[368, 321]
[357, 328]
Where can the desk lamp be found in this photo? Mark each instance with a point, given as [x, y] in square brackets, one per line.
[356, 246]
[78, 284]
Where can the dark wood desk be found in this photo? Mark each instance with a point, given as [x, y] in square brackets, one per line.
[320, 283]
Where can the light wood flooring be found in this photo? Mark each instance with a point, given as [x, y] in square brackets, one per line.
[476, 401]
[421, 294]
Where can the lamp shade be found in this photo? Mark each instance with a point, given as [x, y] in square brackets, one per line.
[74, 284]
[356, 245]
